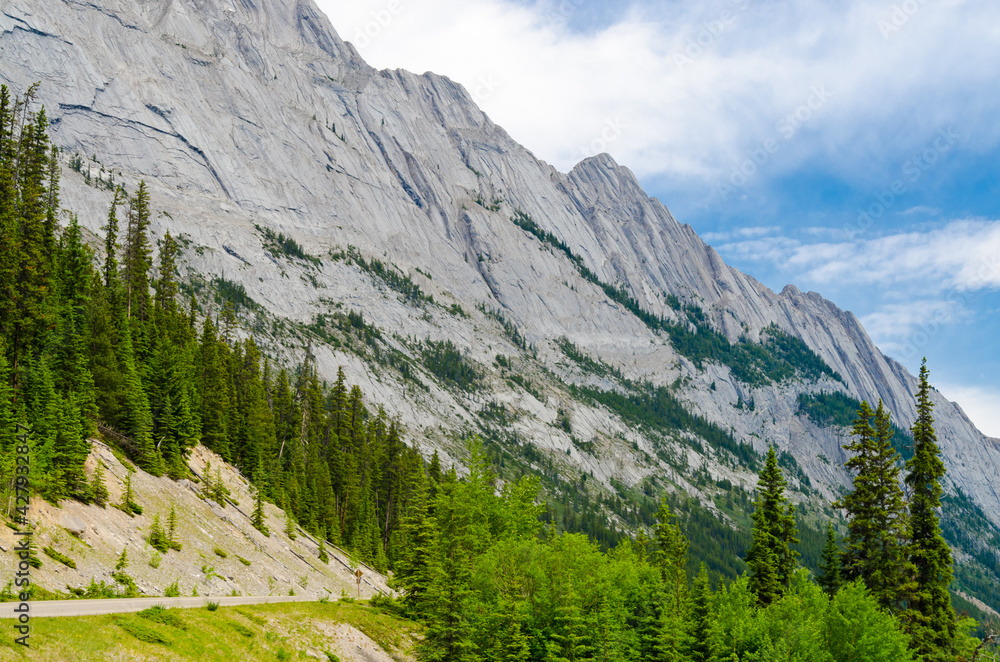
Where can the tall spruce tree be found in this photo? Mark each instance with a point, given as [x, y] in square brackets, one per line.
[829, 565]
[875, 545]
[701, 617]
[671, 555]
[416, 567]
[137, 258]
[771, 559]
[110, 270]
[931, 618]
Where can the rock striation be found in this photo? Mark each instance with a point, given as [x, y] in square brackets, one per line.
[242, 114]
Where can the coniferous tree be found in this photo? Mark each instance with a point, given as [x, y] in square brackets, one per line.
[137, 257]
[105, 368]
[931, 618]
[415, 567]
[512, 644]
[289, 530]
[122, 578]
[771, 559]
[32, 276]
[172, 539]
[98, 490]
[322, 555]
[671, 555]
[569, 641]
[157, 537]
[111, 241]
[829, 565]
[70, 450]
[701, 617]
[8, 421]
[875, 545]
[258, 519]
[128, 504]
[448, 597]
[166, 284]
[214, 388]
[9, 239]
[75, 273]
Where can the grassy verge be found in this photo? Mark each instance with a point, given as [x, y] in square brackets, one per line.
[251, 632]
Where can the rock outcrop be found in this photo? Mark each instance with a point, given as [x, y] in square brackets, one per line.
[243, 113]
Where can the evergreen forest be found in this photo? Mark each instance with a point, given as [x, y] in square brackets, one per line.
[98, 340]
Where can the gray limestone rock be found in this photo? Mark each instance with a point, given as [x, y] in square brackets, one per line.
[240, 114]
[73, 524]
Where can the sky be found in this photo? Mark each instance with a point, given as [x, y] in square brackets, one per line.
[850, 147]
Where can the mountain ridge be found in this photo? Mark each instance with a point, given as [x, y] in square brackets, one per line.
[241, 115]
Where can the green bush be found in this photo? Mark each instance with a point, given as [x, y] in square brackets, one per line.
[212, 606]
[62, 558]
[158, 538]
[142, 631]
[172, 591]
[164, 616]
[221, 553]
[242, 630]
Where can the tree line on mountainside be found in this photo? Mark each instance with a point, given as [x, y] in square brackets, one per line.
[87, 344]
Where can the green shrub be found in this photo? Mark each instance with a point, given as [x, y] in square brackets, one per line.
[62, 558]
[172, 591]
[158, 538]
[212, 606]
[221, 553]
[253, 618]
[142, 631]
[95, 591]
[242, 630]
[164, 616]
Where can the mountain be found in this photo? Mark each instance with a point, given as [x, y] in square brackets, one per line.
[549, 312]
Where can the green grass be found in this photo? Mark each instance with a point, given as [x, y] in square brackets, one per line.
[251, 632]
[162, 615]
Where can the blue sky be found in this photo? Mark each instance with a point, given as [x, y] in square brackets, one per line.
[849, 147]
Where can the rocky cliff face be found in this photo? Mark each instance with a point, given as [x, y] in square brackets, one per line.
[241, 114]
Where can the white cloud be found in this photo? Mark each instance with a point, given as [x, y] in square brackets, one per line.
[982, 405]
[902, 329]
[961, 256]
[699, 86]
[737, 233]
